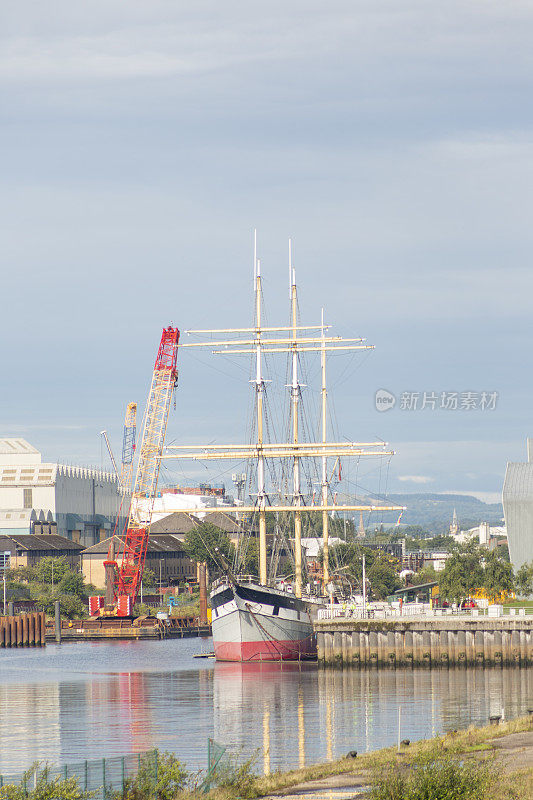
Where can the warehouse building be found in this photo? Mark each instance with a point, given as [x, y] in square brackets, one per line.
[25, 550]
[78, 503]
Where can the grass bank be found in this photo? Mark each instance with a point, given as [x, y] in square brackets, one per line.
[473, 742]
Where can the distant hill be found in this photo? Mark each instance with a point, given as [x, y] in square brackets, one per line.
[435, 511]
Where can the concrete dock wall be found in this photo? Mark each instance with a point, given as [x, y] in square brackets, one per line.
[425, 643]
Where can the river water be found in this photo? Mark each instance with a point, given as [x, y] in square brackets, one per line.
[79, 701]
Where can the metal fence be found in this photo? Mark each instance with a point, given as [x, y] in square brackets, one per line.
[103, 777]
[422, 610]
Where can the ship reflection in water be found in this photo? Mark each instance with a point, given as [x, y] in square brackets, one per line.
[65, 704]
[310, 714]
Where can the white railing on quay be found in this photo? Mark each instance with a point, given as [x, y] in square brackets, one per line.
[420, 610]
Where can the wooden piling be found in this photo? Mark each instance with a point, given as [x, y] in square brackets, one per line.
[25, 630]
[13, 631]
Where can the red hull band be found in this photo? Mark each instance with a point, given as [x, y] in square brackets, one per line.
[266, 650]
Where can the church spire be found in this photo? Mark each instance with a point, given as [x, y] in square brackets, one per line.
[454, 527]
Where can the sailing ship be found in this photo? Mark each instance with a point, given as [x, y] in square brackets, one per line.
[253, 619]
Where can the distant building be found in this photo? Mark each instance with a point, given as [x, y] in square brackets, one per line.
[203, 489]
[422, 593]
[454, 527]
[518, 508]
[192, 500]
[78, 503]
[25, 550]
[179, 523]
[487, 535]
[312, 547]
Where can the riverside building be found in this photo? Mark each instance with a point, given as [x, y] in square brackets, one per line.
[518, 508]
[37, 497]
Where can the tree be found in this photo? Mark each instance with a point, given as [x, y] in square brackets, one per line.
[524, 579]
[382, 576]
[50, 570]
[250, 557]
[426, 575]
[498, 576]
[149, 579]
[50, 579]
[346, 559]
[72, 583]
[207, 543]
[462, 573]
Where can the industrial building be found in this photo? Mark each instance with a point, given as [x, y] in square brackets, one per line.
[78, 503]
[518, 508]
[179, 523]
[26, 550]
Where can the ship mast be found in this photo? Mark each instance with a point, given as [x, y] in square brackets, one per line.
[325, 518]
[260, 388]
[293, 339]
[295, 396]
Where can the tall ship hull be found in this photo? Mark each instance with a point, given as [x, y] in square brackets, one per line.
[251, 622]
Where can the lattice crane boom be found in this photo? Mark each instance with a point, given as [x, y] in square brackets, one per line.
[129, 574]
[128, 445]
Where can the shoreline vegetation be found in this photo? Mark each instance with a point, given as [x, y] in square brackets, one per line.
[485, 763]
[475, 744]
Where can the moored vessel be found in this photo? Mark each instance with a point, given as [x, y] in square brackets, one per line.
[252, 618]
[259, 623]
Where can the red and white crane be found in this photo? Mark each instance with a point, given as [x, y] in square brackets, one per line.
[128, 576]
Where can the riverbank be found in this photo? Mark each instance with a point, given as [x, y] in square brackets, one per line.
[508, 745]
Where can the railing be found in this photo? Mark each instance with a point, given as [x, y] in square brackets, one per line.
[104, 776]
[421, 610]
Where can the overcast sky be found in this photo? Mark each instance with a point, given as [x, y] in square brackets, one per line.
[142, 143]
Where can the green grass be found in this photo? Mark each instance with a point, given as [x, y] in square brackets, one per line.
[469, 741]
[518, 604]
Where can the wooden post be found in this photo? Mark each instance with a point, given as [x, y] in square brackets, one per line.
[25, 630]
[203, 594]
[32, 628]
[43, 628]
[57, 620]
[19, 630]
[13, 629]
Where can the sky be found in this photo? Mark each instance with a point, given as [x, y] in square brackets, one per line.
[141, 144]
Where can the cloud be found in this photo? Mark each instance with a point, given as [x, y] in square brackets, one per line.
[416, 478]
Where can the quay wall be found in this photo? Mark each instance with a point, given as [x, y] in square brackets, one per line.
[430, 643]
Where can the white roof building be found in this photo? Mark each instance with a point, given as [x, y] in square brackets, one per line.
[313, 545]
[79, 503]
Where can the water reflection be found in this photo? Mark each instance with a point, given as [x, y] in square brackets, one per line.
[86, 701]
